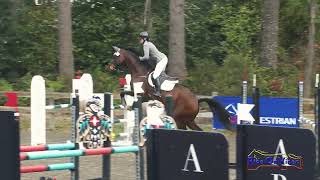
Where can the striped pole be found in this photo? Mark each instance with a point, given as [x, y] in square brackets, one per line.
[255, 100]
[137, 106]
[66, 146]
[244, 97]
[316, 119]
[318, 124]
[106, 160]
[75, 116]
[51, 167]
[77, 153]
[300, 98]
[244, 92]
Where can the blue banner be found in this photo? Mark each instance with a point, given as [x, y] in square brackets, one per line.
[274, 111]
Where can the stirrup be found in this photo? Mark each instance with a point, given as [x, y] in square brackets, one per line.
[156, 93]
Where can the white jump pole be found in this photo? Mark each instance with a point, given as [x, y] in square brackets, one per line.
[38, 111]
[38, 104]
[84, 85]
[300, 97]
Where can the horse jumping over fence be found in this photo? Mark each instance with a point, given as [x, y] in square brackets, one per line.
[186, 104]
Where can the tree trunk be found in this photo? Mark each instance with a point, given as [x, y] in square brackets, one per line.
[177, 62]
[66, 65]
[308, 69]
[269, 34]
[13, 12]
[147, 21]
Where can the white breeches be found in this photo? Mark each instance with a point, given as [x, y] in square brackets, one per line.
[160, 67]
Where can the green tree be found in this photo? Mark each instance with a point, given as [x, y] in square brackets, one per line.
[38, 40]
[8, 40]
[99, 25]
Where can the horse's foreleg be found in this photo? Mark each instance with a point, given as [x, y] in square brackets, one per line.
[192, 125]
[180, 124]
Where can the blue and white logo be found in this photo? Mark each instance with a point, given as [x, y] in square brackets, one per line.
[273, 111]
[231, 108]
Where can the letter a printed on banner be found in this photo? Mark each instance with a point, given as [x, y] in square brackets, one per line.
[194, 158]
[283, 153]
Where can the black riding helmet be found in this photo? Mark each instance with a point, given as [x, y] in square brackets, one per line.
[144, 35]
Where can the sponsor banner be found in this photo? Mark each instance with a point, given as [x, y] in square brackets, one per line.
[274, 153]
[274, 111]
[187, 155]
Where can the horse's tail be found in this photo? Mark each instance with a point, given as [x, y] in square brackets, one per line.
[216, 107]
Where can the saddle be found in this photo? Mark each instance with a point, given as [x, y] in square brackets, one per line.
[167, 82]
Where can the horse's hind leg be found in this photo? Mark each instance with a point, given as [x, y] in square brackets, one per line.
[192, 125]
[181, 125]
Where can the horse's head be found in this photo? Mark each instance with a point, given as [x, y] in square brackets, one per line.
[127, 59]
[117, 58]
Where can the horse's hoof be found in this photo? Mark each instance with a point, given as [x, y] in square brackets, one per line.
[157, 94]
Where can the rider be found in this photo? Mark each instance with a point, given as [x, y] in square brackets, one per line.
[151, 52]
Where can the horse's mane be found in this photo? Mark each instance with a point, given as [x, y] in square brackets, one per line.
[135, 54]
[133, 51]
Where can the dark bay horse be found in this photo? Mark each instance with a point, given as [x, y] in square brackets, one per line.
[186, 104]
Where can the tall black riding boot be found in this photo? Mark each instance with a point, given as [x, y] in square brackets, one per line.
[156, 83]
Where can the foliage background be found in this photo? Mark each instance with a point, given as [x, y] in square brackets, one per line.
[222, 42]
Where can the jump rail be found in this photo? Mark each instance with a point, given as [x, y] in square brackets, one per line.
[74, 153]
